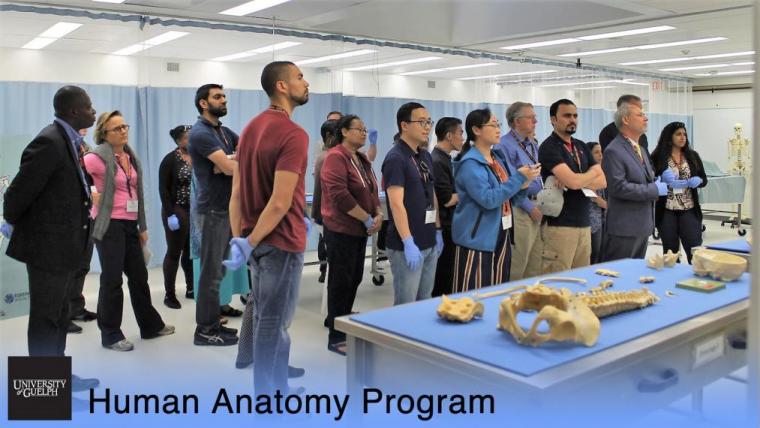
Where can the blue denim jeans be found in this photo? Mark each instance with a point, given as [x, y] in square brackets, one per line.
[215, 238]
[276, 278]
[410, 286]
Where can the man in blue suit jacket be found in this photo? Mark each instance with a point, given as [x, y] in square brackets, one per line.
[631, 186]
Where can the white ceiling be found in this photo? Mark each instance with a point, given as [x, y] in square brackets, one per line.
[483, 25]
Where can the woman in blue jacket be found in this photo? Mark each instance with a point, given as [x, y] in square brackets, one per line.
[482, 221]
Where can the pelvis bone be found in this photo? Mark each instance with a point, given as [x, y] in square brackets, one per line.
[568, 316]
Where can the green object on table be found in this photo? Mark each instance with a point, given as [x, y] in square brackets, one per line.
[701, 285]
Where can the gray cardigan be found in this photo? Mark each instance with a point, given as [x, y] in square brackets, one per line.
[105, 152]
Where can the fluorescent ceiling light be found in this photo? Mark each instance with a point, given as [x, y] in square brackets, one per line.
[540, 44]
[394, 63]
[51, 34]
[596, 82]
[336, 56]
[152, 42]
[252, 52]
[252, 6]
[438, 70]
[109, 1]
[543, 79]
[594, 87]
[699, 67]
[726, 73]
[628, 32]
[690, 58]
[522, 73]
[590, 37]
[646, 47]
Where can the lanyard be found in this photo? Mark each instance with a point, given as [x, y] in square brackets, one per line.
[523, 146]
[575, 155]
[362, 175]
[424, 174]
[128, 173]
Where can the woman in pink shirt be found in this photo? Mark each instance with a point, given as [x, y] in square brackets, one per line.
[120, 233]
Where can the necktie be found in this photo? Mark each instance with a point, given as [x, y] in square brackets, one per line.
[637, 149]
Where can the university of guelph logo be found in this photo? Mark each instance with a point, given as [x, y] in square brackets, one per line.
[39, 388]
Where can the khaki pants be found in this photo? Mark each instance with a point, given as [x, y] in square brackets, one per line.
[565, 248]
[526, 256]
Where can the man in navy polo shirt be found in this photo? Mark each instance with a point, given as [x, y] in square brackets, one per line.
[212, 149]
[414, 238]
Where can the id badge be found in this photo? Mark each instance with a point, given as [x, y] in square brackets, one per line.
[678, 191]
[132, 205]
[506, 221]
[589, 193]
[429, 216]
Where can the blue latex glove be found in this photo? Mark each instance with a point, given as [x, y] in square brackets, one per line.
[438, 242]
[662, 188]
[668, 176]
[679, 184]
[6, 230]
[369, 222]
[240, 251]
[307, 220]
[695, 182]
[412, 254]
[372, 137]
[173, 222]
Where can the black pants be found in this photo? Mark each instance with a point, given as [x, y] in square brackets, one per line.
[120, 252]
[177, 250]
[76, 299]
[624, 247]
[322, 253]
[444, 270]
[680, 225]
[345, 254]
[49, 315]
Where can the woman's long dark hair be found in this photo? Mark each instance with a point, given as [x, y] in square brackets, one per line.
[664, 147]
[476, 118]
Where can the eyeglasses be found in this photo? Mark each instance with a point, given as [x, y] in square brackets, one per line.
[120, 128]
[186, 128]
[423, 123]
[496, 124]
[362, 130]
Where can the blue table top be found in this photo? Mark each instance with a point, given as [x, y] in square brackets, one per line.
[481, 341]
[737, 246]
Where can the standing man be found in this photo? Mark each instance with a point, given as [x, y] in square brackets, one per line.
[449, 132]
[567, 237]
[76, 298]
[611, 131]
[632, 189]
[414, 239]
[47, 209]
[212, 150]
[521, 149]
[267, 218]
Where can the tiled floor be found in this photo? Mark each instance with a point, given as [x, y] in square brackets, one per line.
[176, 355]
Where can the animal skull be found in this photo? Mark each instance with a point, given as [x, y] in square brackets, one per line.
[568, 316]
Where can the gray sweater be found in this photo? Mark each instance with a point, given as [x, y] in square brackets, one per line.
[105, 152]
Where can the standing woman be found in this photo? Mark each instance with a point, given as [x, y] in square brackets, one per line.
[487, 187]
[350, 213]
[120, 234]
[678, 215]
[598, 211]
[174, 177]
[327, 131]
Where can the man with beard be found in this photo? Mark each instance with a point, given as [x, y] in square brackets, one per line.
[47, 210]
[212, 149]
[267, 219]
[567, 237]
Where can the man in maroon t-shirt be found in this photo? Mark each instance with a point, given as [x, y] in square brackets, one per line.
[268, 225]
